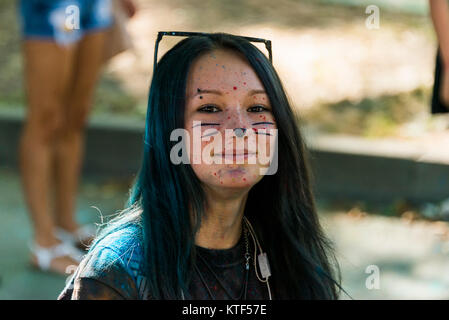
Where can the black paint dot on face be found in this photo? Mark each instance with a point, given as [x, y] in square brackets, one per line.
[201, 97]
[198, 89]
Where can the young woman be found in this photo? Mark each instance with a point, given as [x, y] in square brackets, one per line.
[197, 229]
[64, 47]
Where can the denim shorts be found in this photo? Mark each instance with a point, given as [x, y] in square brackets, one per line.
[64, 21]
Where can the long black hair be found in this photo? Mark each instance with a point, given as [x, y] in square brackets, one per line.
[281, 206]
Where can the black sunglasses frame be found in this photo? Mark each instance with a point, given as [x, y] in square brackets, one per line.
[189, 34]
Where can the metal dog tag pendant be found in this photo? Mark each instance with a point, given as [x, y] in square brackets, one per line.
[263, 265]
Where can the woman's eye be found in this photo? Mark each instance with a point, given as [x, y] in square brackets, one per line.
[257, 109]
[209, 109]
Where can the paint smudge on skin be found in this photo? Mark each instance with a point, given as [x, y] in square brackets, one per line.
[223, 66]
[244, 83]
[244, 179]
[229, 117]
[235, 88]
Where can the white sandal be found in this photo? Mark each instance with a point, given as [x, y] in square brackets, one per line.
[45, 255]
[83, 234]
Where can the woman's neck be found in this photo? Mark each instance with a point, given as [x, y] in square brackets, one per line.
[222, 222]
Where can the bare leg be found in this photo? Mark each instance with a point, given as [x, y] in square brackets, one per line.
[70, 144]
[47, 70]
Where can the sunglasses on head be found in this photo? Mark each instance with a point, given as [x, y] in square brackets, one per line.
[190, 34]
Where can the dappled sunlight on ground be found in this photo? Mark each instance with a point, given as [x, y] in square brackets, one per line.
[412, 256]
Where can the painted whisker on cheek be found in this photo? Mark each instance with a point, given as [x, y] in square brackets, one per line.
[205, 124]
[256, 131]
[258, 123]
[265, 133]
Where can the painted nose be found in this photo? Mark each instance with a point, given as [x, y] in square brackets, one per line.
[239, 132]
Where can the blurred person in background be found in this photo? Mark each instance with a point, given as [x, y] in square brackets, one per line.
[64, 48]
[439, 11]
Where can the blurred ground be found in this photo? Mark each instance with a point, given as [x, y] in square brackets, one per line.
[412, 255]
[17, 279]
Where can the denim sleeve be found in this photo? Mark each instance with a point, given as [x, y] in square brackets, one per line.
[102, 274]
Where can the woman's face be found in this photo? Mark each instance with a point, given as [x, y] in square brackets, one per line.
[229, 120]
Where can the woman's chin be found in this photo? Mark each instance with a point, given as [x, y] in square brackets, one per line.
[235, 184]
[237, 178]
[229, 176]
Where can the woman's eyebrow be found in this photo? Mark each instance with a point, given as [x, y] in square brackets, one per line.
[251, 92]
[201, 91]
